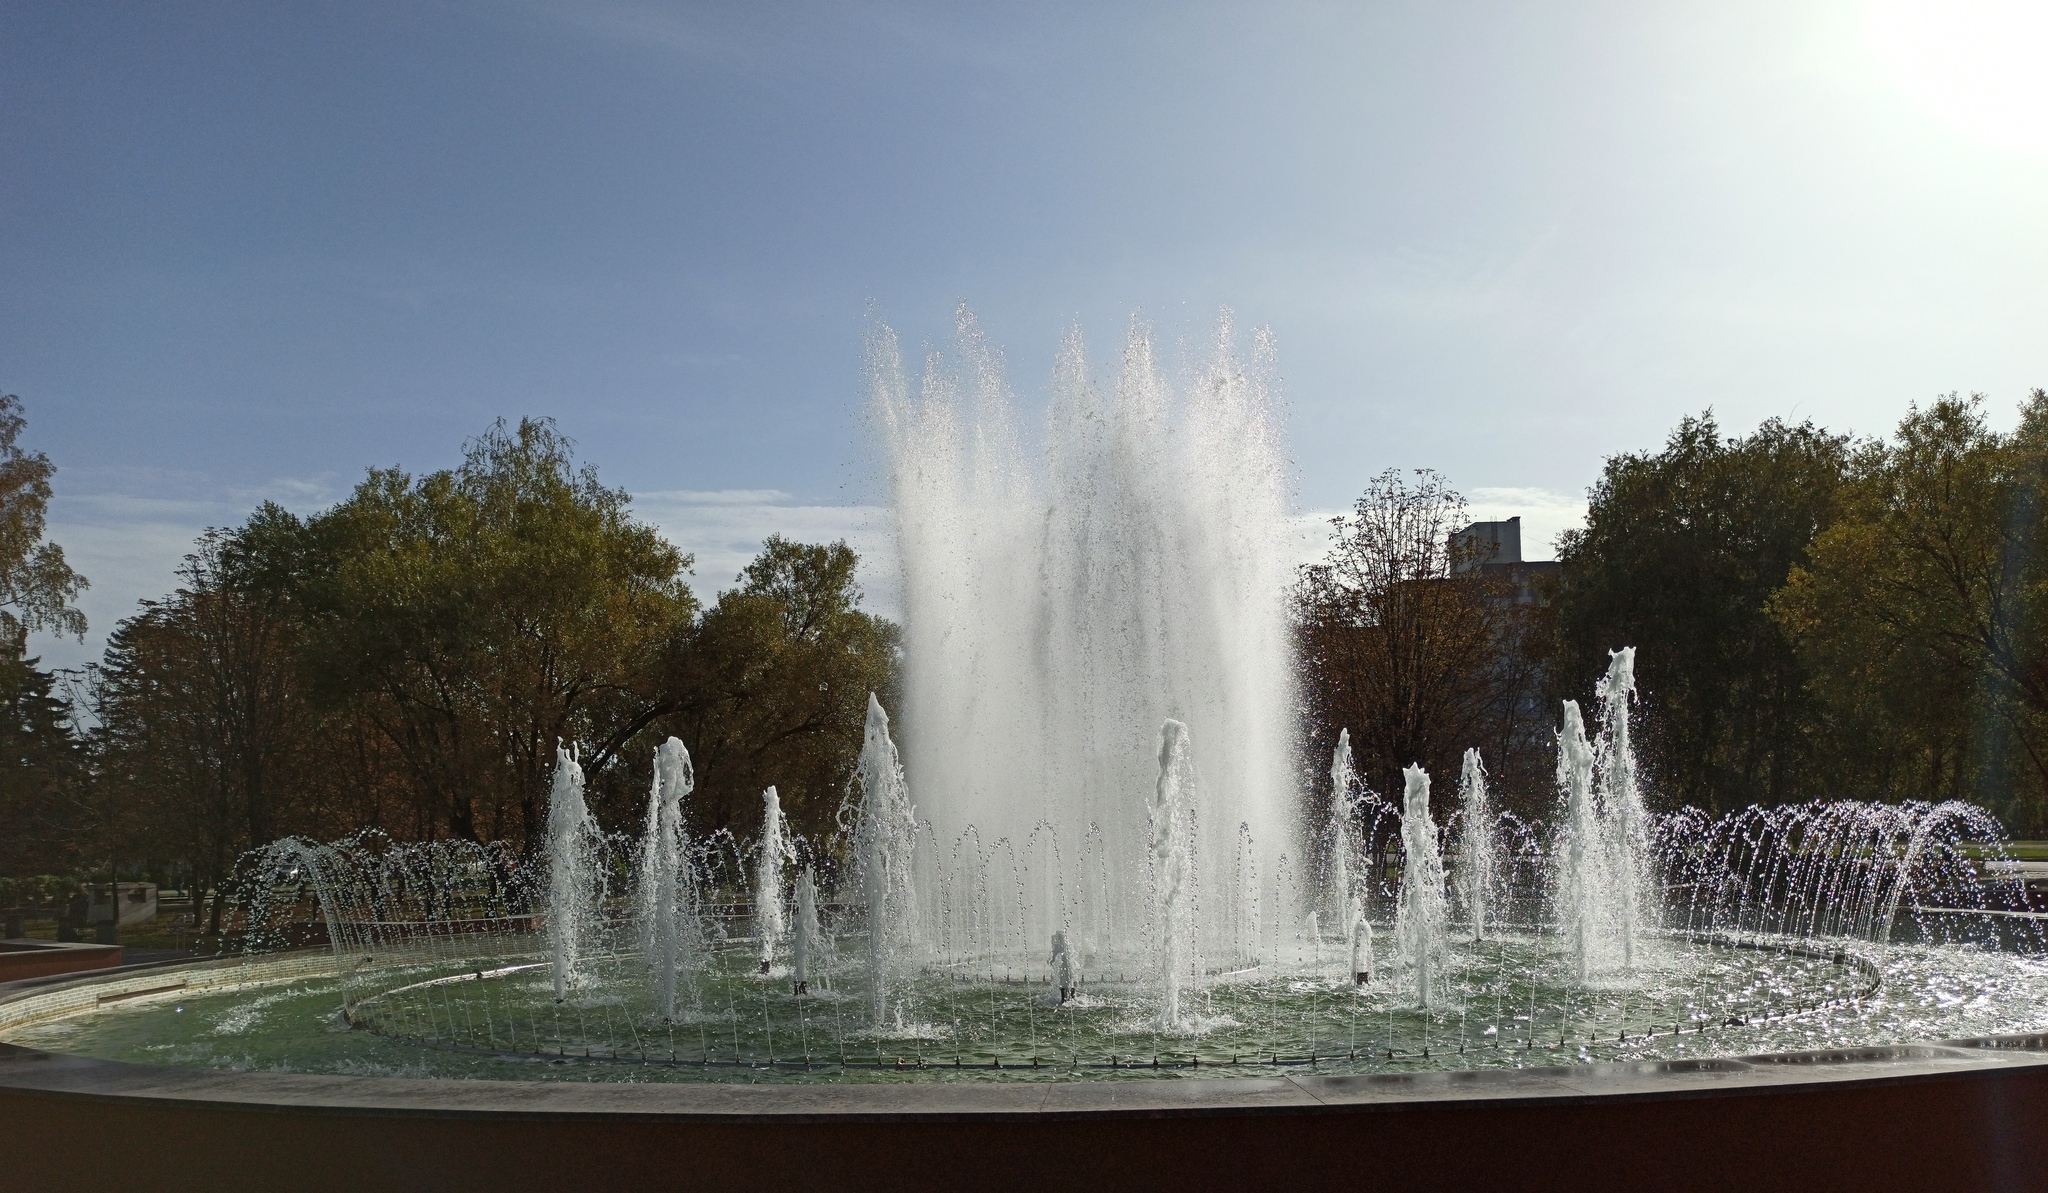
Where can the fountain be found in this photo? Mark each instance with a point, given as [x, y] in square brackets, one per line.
[1604, 878]
[1076, 622]
[1359, 932]
[1581, 880]
[804, 934]
[1342, 844]
[1477, 863]
[1420, 922]
[1076, 625]
[1173, 831]
[572, 895]
[1621, 802]
[775, 850]
[666, 892]
[883, 839]
[1060, 605]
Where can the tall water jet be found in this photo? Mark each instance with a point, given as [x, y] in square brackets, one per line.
[1062, 966]
[1421, 919]
[1580, 882]
[1059, 605]
[573, 841]
[1337, 871]
[1359, 931]
[666, 898]
[1621, 801]
[769, 919]
[1477, 864]
[804, 938]
[884, 839]
[1172, 864]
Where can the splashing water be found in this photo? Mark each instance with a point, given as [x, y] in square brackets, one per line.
[574, 897]
[774, 851]
[884, 840]
[805, 936]
[1621, 803]
[1359, 932]
[1173, 832]
[1058, 605]
[1342, 843]
[1604, 880]
[666, 897]
[1478, 865]
[1420, 922]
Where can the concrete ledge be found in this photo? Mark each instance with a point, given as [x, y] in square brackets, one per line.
[21, 959]
[37, 999]
[1961, 1114]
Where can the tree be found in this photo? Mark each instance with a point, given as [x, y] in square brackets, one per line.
[45, 817]
[36, 585]
[773, 688]
[1922, 611]
[206, 733]
[1680, 556]
[41, 766]
[1405, 641]
[477, 617]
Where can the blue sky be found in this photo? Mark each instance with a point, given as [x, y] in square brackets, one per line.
[251, 249]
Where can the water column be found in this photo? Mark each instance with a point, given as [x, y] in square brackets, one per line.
[1420, 920]
[884, 845]
[666, 900]
[1477, 863]
[572, 834]
[1579, 884]
[804, 935]
[1060, 600]
[769, 920]
[1172, 832]
[1621, 800]
[1360, 932]
[1342, 849]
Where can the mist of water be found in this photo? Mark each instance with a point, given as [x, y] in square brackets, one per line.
[883, 834]
[665, 897]
[772, 853]
[1421, 919]
[1062, 601]
[573, 893]
[1478, 861]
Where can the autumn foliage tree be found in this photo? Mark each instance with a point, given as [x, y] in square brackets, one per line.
[47, 818]
[1680, 556]
[1922, 615]
[1407, 643]
[409, 659]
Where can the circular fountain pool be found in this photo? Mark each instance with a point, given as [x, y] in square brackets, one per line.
[1615, 938]
[1510, 1002]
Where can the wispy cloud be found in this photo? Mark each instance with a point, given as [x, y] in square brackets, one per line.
[131, 544]
[724, 528]
[1545, 514]
[129, 539]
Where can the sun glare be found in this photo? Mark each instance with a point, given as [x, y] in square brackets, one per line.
[1977, 64]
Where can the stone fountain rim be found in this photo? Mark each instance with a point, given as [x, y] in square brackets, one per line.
[65, 1075]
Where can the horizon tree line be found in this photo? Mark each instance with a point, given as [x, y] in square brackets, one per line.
[1817, 617]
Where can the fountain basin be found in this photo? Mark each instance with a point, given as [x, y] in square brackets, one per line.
[1930, 1115]
[23, 959]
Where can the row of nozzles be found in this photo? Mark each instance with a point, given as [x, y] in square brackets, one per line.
[666, 897]
[1598, 886]
[1601, 882]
